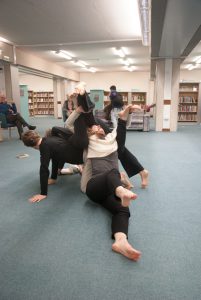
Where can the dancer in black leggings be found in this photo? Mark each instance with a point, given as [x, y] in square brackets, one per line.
[103, 184]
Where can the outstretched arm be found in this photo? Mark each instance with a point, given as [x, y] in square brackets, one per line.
[44, 174]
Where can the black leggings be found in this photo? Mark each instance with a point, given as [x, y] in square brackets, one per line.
[79, 138]
[101, 189]
[17, 120]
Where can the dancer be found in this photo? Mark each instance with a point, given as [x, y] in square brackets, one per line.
[101, 181]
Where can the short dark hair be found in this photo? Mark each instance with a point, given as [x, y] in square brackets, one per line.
[30, 138]
[113, 88]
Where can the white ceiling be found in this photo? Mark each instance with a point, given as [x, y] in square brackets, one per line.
[90, 29]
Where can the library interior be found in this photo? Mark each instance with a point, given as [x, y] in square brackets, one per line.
[146, 54]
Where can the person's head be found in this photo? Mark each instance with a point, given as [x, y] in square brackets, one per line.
[113, 88]
[97, 130]
[31, 138]
[2, 98]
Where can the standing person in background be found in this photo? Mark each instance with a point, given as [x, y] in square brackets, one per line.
[116, 104]
[68, 107]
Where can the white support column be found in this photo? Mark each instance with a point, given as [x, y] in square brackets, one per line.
[12, 83]
[167, 94]
[59, 96]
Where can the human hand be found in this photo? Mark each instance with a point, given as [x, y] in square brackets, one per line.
[51, 181]
[80, 110]
[37, 198]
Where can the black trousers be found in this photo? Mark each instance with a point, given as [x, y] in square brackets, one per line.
[101, 189]
[129, 162]
[17, 120]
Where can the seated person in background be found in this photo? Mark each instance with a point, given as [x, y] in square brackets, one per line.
[68, 106]
[12, 116]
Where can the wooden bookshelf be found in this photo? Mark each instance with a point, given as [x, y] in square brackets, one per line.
[41, 103]
[139, 98]
[188, 102]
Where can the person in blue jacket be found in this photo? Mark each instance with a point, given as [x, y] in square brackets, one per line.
[12, 116]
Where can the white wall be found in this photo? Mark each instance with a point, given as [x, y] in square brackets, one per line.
[36, 83]
[34, 62]
[190, 76]
[125, 81]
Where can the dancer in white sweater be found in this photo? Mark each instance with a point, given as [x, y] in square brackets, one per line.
[102, 181]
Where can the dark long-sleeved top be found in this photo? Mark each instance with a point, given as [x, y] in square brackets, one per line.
[58, 150]
[7, 109]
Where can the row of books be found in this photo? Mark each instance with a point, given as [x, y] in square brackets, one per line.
[187, 117]
[187, 108]
[187, 99]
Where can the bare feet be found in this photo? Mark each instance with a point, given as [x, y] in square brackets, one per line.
[124, 113]
[135, 107]
[144, 177]
[122, 246]
[125, 195]
[125, 181]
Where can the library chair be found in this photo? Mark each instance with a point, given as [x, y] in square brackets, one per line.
[5, 125]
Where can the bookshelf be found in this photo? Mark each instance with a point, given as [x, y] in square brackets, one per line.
[139, 98]
[107, 98]
[139, 121]
[41, 103]
[188, 102]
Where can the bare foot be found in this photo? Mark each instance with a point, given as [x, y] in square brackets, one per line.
[125, 195]
[144, 177]
[135, 107]
[124, 113]
[125, 181]
[123, 247]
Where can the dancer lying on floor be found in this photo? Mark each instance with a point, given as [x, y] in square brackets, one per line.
[129, 162]
[102, 184]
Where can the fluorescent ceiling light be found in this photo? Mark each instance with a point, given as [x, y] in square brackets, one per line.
[130, 68]
[144, 21]
[198, 60]
[80, 63]
[126, 62]
[191, 67]
[120, 52]
[64, 54]
[5, 40]
[93, 70]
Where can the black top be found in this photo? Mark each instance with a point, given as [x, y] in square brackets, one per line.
[116, 100]
[58, 150]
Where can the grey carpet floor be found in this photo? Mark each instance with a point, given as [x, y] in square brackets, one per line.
[60, 248]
